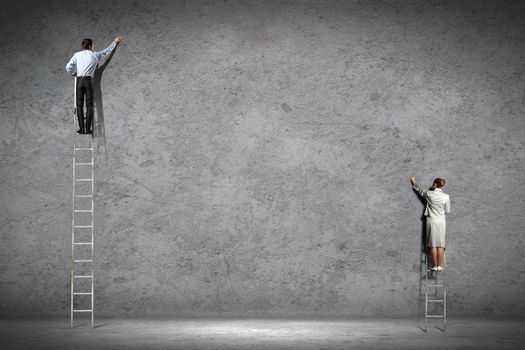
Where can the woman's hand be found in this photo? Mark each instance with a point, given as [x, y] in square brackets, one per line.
[413, 180]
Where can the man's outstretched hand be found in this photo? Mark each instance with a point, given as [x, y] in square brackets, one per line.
[413, 180]
[118, 39]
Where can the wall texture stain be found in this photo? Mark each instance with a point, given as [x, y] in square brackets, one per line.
[254, 157]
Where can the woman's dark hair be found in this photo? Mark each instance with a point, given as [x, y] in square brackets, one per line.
[87, 44]
[438, 183]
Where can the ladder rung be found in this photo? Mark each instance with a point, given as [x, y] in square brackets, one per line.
[83, 179]
[83, 149]
[83, 163]
[84, 260]
[83, 210]
[83, 226]
[83, 276]
[435, 300]
[434, 285]
[83, 243]
[434, 316]
[82, 310]
[83, 293]
[83, 195]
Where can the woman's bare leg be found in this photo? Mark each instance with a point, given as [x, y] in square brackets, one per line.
[434, 252]
[440, 252]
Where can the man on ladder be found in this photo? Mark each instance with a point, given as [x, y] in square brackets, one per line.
[83, 65]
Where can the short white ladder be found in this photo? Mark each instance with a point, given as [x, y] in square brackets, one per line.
[435, 292]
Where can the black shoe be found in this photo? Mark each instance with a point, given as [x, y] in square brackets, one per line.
[81, 131]
[88, 132]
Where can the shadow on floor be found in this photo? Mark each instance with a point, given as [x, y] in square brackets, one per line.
[102, 324]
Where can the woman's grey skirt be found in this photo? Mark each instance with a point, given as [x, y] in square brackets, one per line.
[436, 229]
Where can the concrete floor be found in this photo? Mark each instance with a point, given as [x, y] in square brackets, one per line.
[196, 334]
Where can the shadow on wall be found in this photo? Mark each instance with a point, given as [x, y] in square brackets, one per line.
[99, 129]
[424, 258]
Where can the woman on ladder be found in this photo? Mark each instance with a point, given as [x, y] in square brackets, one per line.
[438, 204]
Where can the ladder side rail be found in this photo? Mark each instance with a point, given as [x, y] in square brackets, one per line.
[426, 289]
[92, 227]
[73, 202]
[444, 291]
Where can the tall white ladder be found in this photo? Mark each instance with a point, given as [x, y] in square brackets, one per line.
[82, 237]
[436, 293]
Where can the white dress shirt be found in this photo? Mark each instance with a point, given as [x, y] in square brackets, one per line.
[84, 63]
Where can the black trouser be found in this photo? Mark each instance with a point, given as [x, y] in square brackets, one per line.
[84, 88]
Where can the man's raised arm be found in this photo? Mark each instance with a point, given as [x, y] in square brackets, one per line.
[108, 49]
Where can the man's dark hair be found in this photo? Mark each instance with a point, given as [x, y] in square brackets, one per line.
[87, 44]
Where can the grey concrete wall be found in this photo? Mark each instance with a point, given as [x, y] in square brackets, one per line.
[253, 158]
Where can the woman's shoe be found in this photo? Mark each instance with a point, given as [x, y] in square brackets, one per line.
[439, 268]
[434, 268]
